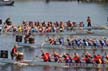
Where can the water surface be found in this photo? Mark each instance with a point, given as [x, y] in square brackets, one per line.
[54, 11]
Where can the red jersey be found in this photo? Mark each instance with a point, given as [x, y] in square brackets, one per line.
[14, 50]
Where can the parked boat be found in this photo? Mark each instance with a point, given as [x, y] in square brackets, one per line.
[6, 2]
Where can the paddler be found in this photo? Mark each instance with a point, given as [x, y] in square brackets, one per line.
[52, 41]
[61, 40]
[106, 59]
[81, 24]
[8, 21]
[14, 52]
[101, 61]
[48, 55]
[68, 41]
[98, 59]
[87, 59]
[102, 42]
[45, 56]
[64, 56]
[20, 29]
[67, 58]
[56, 57]
[61, 27]
[76, 58]
[26, 38]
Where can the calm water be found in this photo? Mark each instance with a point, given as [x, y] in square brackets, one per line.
[53, 11]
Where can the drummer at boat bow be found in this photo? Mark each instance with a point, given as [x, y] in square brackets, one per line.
[14, 52]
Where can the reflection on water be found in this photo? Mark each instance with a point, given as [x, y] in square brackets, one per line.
[55, 11]
[46, 68]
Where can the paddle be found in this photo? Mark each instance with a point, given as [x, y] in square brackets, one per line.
[105, 53]
[83, 54]
[94, 51]
[42, 44]
[37, 55]
[107, 20]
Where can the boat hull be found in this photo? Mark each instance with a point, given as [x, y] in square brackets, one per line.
[27, 45]
[70, 65]
[75, 31]
[7, 3]
[55, 64]
[65, 47]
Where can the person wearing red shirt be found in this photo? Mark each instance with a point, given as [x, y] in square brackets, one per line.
[77, 58]
[98, 59]
[14, 52]
[87, 59]
[68, 58]
[49, 58]
[45, 56]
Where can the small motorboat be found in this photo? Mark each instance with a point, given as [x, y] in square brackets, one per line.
[7, 2]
